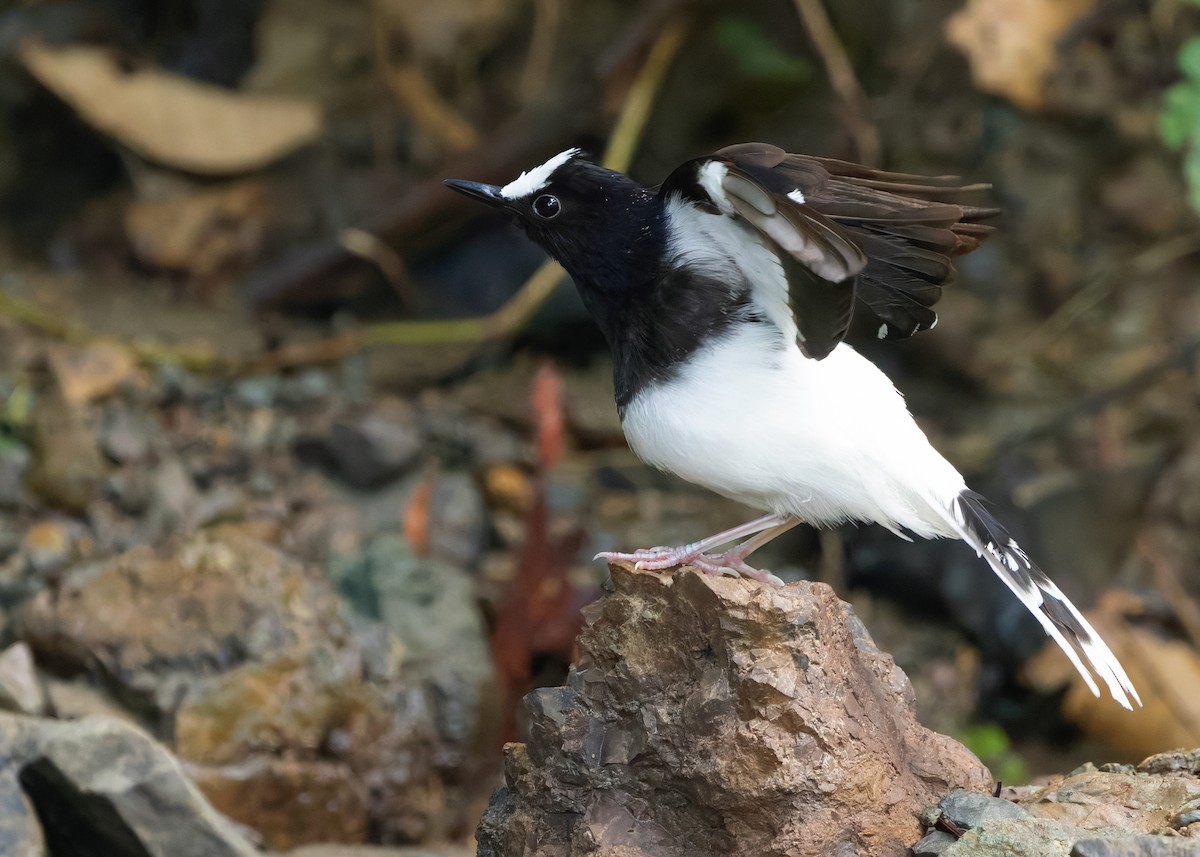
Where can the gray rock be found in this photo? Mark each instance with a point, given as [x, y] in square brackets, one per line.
[933, 843]
[124, 437]
[21, 689]
[966, 810]
[257, 392]
[390, 583]
[106, 789]
[375, 448]
[1027, 837]
[1137, 846]
[20, 832]
[457, 519]
[309, 385]
[14, 461]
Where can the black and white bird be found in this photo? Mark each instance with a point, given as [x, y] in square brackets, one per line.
[724, 295]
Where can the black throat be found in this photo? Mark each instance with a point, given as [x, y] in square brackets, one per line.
[613, 239]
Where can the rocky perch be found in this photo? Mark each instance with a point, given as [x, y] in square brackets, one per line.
[714, 716]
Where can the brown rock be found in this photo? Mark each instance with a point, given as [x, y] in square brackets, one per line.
[244, 656]
[290, 801]
[67, 469]
[714, 716]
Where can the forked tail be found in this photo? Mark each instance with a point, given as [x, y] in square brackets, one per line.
[1058, 616]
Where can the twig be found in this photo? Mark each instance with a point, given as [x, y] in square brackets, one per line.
[1167, 579]
[843, 80]
[510, 317]
[517, 310]
[370, 246]
[417, 95]
[547, 17]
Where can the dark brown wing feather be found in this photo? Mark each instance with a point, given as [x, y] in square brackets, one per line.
[905, 225]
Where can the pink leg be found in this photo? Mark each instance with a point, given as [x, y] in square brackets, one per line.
[663, 557]
[734, 559]
[761, 530]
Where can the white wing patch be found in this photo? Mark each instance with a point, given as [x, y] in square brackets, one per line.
[534, 180]
[797, 196]
[724, 248]
[711, 177]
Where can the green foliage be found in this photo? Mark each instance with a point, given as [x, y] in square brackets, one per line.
[1179, 119]
[990, 743]
[757, 55]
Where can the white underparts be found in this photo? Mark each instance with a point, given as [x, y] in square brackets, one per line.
[534, 180]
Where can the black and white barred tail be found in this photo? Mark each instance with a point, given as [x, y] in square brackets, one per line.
[1058, 616]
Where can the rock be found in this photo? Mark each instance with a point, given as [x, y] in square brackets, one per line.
[14, 461]
[20, 686]
[89, 372]
[1136, 846]
[20, 832]
[933, 843]
[711, 715]
[969, 809]
[67, 470]
[1027, 837]
[257, 392]
[243, 655]
[47, 546]
[104, 788]
[1176, 761]
[457, 519]
[450, 656]
[1131, 802]
[291, 801]
[376, 447]
[77, 698]
[375, 851]
[124, 436]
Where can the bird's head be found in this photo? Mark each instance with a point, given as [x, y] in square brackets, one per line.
[602, 226]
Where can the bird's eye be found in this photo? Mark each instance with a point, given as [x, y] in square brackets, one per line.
[547, 206]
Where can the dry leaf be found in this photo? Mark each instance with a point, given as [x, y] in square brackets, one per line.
[202, 231]
[90, 372]
[1012, 44]
[169, 118]
[1165, 671]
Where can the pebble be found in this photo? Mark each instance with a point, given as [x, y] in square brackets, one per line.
[375, 448]
[933, 843]
[123, 437]
[1137, 846]
[14, 460]
[21, 688]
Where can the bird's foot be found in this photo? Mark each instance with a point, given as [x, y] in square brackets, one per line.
[652, 559]
[728, 563]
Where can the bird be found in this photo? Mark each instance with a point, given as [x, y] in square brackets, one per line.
[725, 294]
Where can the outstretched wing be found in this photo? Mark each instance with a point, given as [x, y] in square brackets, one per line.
[902, 223]
[820, 261]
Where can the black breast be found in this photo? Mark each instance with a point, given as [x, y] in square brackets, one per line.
[653, 329]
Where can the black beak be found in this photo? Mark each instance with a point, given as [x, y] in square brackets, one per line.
[488, 193]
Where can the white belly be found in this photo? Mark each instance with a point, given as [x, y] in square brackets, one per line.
[755, 420]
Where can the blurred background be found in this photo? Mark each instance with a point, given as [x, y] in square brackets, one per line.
[303, 458]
